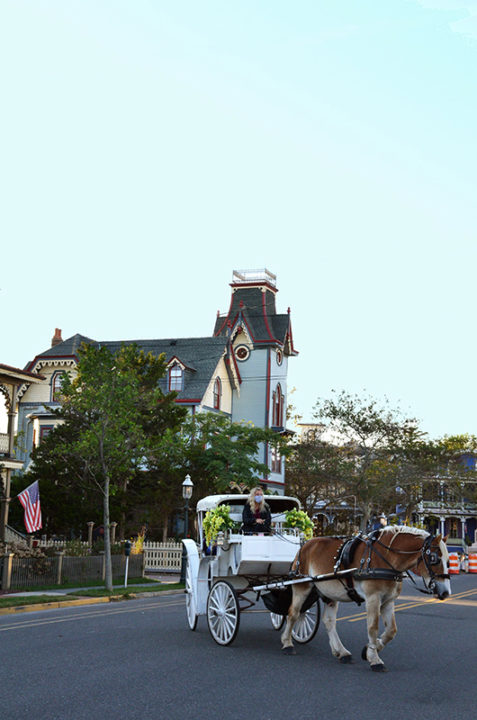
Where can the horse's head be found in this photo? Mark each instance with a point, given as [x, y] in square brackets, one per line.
[434, 566]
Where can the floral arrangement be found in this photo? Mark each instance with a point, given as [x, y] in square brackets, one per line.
[217, 520]
[299, 519]
[138, 544]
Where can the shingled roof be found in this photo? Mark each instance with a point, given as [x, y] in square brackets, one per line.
[200, 357]
[253, 304]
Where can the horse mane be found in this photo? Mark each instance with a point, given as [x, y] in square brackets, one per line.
[395, 529]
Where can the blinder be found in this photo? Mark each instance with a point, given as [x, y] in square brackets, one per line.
[432, 558]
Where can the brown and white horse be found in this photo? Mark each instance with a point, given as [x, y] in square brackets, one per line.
[380, 559]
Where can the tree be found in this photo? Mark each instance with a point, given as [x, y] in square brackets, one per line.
[220, 455]
[314, 471]
[112, 412]
[441, 470]
[378, 447]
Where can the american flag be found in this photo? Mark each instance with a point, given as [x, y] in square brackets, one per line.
[30, 499]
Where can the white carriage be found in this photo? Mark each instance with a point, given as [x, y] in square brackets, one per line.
[244, 570]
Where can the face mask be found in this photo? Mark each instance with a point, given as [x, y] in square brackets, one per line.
[258, 499]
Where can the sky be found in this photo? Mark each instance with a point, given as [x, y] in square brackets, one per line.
[150, 148]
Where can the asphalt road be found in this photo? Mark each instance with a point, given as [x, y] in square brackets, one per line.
[139, 660]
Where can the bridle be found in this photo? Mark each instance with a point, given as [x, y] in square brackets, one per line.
[428, 556]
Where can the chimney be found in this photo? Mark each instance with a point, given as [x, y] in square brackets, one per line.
[56, 339]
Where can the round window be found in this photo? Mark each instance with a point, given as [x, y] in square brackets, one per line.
[242, 352]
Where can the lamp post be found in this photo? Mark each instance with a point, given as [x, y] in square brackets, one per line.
[187, 487]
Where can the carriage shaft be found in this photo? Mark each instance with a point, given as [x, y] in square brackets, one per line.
[308, 578]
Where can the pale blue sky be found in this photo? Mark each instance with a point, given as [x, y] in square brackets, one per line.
[149, 148]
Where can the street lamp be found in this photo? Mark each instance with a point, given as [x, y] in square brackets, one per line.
[187, 487]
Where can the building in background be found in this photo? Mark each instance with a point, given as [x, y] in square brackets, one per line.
[239, 371]
[11, 379]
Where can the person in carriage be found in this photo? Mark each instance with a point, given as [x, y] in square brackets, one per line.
[256, 515]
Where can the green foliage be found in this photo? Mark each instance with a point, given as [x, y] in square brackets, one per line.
[220, 456]
[112, 412]
[300, 520]
[375, 447]
[217, 520]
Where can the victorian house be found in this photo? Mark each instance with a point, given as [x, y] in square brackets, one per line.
[11, 379]
[239, 371]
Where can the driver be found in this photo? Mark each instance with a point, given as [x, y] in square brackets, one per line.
[256, 514]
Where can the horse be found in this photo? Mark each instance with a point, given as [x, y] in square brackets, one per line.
[380, 559]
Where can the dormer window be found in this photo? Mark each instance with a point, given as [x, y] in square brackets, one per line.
[56, 384]
[176, 378]
[217, 393]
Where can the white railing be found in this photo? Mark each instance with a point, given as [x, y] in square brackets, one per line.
[59, 544]
[163, 556]
[13, 536]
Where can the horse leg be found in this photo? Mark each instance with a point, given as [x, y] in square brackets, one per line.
[387, 613]
[329, 619]
[300, 593]
[370, 652]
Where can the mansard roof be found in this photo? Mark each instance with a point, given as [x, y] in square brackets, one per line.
[254, 306]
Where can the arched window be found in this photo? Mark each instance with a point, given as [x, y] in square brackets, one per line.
[217, 393]
[56, 384]
[176, 377]
[278, 402]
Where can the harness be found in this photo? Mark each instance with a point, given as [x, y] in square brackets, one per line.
[346, 552]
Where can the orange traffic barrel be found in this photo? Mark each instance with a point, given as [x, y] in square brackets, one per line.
[472, 564]
[454, 564]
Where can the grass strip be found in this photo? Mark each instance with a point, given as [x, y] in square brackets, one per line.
[129, 592]
[102, 592]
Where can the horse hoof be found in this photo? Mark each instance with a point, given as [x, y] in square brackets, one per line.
[363, 653]
[379, 668]
[346, 659]
[289, 651]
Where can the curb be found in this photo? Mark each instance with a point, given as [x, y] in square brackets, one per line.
[84, 601]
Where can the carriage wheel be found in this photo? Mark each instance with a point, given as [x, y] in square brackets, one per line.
[277, 621]
[191, 600]
[223, 612]
[307, 624]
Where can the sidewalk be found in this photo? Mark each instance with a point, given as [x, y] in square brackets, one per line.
[162, 578]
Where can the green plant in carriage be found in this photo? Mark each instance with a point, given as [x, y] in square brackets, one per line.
[215, 521]
[300, 520]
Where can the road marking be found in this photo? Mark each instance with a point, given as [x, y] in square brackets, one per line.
[104, 611]
[452, 600]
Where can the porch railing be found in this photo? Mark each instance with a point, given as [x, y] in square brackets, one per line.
[4, 443]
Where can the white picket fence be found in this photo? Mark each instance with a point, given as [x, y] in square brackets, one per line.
[164, 557]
